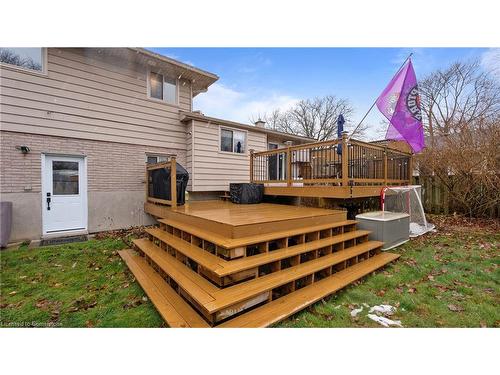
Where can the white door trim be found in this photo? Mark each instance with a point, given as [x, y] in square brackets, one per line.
[84, 194]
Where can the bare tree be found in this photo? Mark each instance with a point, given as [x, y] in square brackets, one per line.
[314, 118]
[461, 108]
[461, 95]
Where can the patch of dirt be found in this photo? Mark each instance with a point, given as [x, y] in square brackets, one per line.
[461, 223]
[82, 304]
[54, 307]
[125, 235]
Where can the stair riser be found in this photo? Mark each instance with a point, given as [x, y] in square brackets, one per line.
[231, 279]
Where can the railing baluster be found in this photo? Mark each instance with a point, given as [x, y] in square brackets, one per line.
[363, 163]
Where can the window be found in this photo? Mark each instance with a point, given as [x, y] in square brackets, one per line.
[27, 58]
[152, 159]
[233, 141]
[64, 177]
[162, 88]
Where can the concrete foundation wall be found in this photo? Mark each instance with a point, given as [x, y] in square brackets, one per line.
[26, 215]
[117, 210]
[107, 211]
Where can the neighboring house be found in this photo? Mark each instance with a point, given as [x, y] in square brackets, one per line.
[77, 126]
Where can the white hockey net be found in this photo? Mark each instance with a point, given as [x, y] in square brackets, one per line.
[408, 199]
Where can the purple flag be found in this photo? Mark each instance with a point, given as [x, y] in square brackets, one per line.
[400, 104]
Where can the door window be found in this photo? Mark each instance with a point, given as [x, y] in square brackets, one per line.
[65, 177]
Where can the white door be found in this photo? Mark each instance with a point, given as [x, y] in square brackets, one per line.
[64, 194]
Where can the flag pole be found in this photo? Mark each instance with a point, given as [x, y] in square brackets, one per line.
[375, 102]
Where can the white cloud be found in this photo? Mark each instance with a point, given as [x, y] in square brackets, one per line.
[226, 103]
[490, 61]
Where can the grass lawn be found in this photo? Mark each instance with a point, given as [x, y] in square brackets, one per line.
[444, 279]
[76, 285]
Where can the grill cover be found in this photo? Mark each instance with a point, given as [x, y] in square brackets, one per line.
[246, 193]
[160, 183]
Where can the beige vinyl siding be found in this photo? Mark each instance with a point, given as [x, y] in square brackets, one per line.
[91, 98]
[213, 169]
[189, 154]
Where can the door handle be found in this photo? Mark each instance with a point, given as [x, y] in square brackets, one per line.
[48, 201]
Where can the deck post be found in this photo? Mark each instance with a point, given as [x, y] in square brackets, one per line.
[251, 166]
[288, 167]
[173, 182]
[147, 183]
[345, 161]
[410, 170]
[385, 166]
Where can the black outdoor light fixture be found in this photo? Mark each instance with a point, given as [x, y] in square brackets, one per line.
[23, 149]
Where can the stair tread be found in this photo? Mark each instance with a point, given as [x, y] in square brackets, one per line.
[224, 298]
[230, 243]
[294, 302]
[200, 256]
[196, 286]
[173, 309]
[223, 268]
[260, 259]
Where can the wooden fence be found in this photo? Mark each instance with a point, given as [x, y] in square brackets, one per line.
[436, 199]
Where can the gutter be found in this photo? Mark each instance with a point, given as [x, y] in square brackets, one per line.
[186, 116]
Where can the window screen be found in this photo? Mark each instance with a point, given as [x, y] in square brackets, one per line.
[170, 90]
[156, 85]
[239, 141]
[226, 140]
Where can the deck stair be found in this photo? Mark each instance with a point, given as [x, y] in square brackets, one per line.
[208, 275]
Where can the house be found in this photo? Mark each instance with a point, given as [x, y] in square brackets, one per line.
[79, 124]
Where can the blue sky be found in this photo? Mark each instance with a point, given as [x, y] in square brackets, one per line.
[256, 80]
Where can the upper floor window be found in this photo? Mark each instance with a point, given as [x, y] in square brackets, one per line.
[162, 88]
[233, 141]
[26, 58]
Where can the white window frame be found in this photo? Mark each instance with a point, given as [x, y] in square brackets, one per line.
[43, 72]
[159, 157]
[232, 152]
[159, 71]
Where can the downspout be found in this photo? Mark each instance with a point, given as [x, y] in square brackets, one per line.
[192, 155]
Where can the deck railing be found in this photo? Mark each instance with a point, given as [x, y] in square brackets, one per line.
[339, 162]
[150, 188]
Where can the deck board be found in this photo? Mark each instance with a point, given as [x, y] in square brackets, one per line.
[200, 256]
[244, 214]
[199, 288]
[234, 221]
[230, 243]
[290, 304]
[223, 268]
[224, 298]
[173, 309]
[260, 259]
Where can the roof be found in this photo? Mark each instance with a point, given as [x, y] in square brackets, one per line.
[199, 78]
[186, 116]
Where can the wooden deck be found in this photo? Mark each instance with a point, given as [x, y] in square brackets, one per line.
[218, 264]
[236, 221]
[342, 168]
